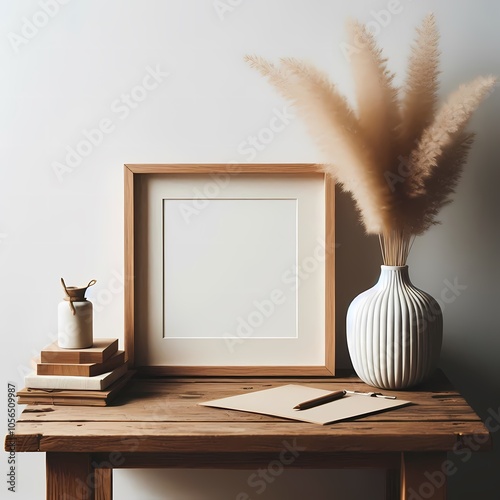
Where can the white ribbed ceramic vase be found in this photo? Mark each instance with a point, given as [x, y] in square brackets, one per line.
[394, 332]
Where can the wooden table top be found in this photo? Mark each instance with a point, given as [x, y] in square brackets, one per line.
[162, 416]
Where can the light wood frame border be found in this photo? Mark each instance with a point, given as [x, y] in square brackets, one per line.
[132, 174]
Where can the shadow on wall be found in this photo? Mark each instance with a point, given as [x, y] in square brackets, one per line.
[477, 473]
[262, 484]
[357, 267]
[466, 248]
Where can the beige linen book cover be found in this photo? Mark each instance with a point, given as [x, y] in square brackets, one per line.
[95, 383]
[279, 402]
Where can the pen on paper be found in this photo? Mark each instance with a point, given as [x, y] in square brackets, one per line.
[327, 398]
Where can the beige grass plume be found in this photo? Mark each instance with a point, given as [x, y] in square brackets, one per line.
[376, 97]
[366, 145]
[333, 125]
[419, 100]
[443, 132]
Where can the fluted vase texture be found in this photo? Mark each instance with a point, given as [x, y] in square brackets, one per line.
[394, 332]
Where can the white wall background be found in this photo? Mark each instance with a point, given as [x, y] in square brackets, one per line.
[69, 75]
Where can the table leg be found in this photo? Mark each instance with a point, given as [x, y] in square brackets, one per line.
[103, 484]
[422, 476]
[70, 476]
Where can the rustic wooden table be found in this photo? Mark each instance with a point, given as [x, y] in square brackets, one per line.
[157, 423]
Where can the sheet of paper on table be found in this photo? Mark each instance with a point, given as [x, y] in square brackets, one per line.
[280, 401]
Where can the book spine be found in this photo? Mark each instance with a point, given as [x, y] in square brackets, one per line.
[98, 382]
[81, 369]
[63, 402]
[79, 356]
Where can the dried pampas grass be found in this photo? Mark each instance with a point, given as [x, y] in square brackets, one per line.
[419, 100]
[376, 96]
[332, 123]
[398, 155]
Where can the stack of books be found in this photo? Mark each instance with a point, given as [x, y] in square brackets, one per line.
[91, 376]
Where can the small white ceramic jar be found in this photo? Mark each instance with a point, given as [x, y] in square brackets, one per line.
[75, 318]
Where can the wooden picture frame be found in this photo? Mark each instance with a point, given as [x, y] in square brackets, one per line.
[138, 201]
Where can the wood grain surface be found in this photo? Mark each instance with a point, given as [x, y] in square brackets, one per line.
[156, 415]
